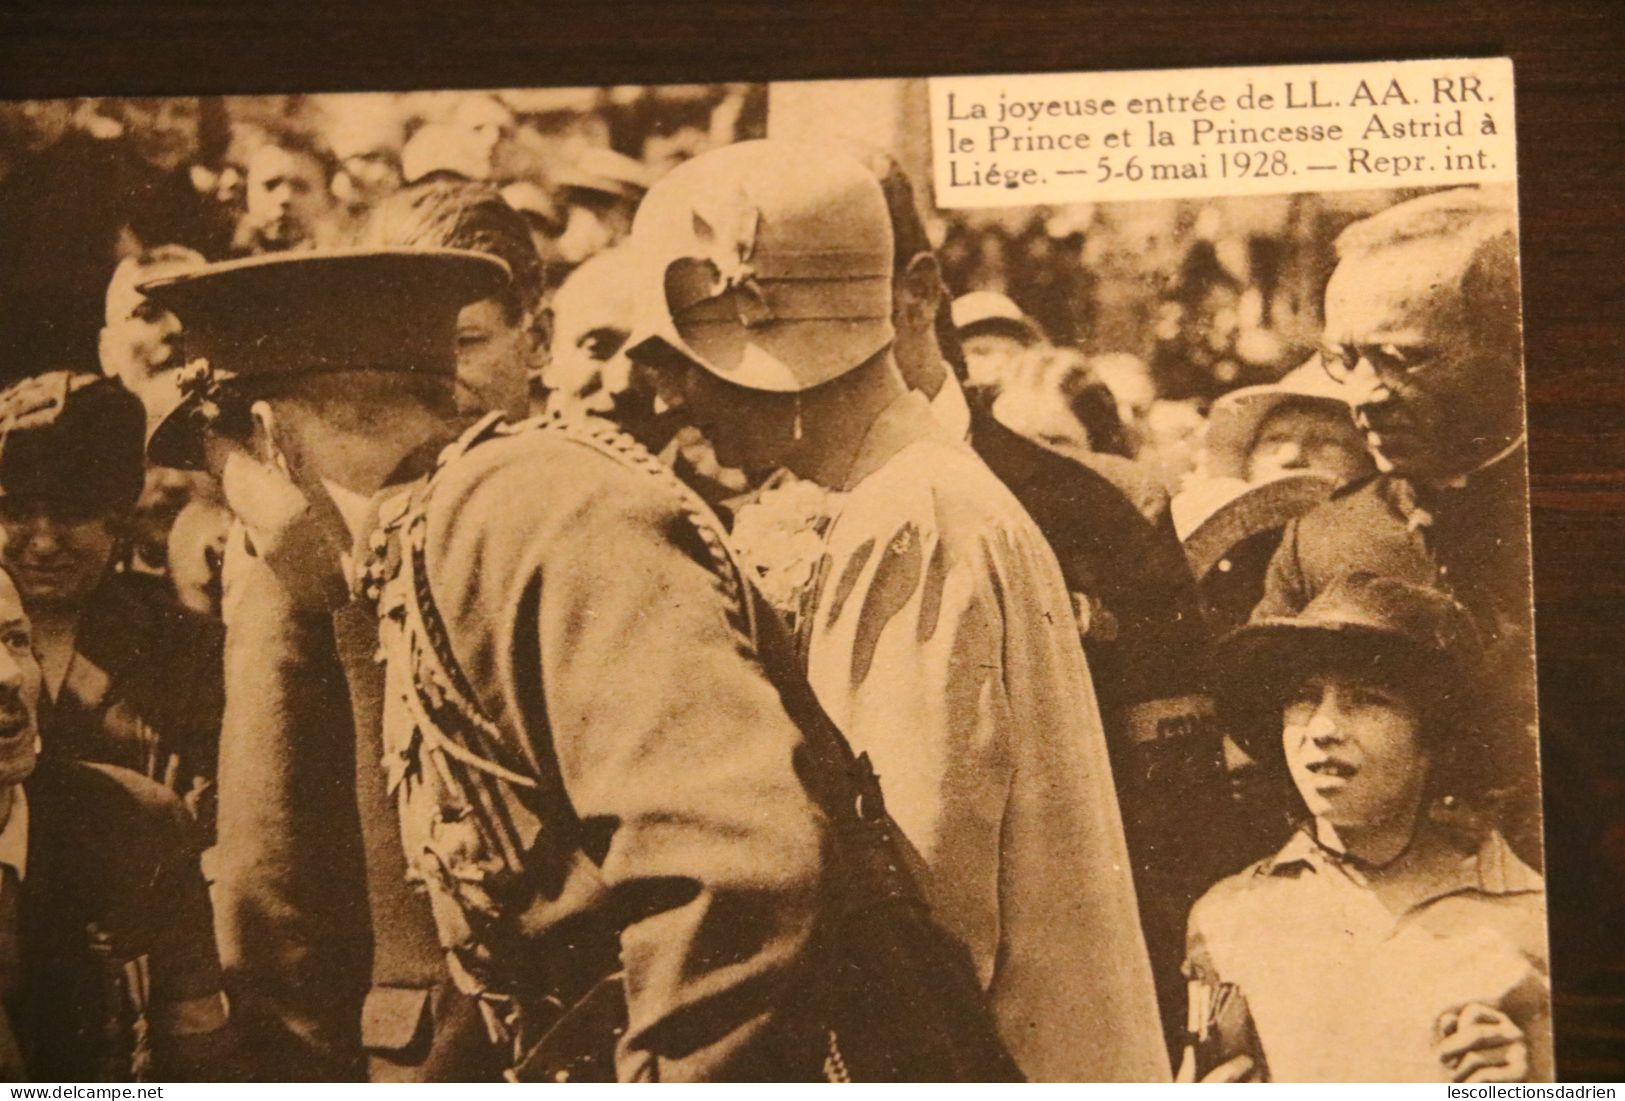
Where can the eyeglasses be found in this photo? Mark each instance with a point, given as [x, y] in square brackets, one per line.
[1389, 362]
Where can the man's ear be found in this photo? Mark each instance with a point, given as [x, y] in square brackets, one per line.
[919, 292]
[266, 444]
[103, 341]
[540, 327]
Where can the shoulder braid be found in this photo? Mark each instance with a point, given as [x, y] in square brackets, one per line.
[404, 533]
[608, 440]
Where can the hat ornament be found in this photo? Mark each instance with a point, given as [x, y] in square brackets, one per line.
[1408, 500]
[196, 378]
[728, 237]
[196, 381]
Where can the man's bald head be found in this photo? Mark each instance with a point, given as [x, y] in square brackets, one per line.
[592, 316]
[1456, 250]
[1422, 317]
[139, 338]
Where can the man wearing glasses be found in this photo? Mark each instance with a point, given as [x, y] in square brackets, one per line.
[1422, 326]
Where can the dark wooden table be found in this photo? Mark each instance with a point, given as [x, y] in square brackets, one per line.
[1571, 118]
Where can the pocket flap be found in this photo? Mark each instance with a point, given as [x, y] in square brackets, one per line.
[392, 1017]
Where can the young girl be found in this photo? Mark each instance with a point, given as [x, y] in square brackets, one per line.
[1395, 937]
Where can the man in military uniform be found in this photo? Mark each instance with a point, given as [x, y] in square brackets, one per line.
[107, 963]
[632, 804]
[1422, 323]
[303, 710]
[131, 678]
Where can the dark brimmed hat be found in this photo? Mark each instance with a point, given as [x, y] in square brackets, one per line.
[1392, 629]
[1250, 510]
[389, 309]
[72, 438]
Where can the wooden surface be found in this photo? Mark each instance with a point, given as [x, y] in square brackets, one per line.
[1571, 118]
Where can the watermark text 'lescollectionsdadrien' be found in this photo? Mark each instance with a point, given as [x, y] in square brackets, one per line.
[1532, 1093]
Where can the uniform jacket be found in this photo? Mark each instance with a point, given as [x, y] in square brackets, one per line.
[291, 910]
[330, 952]
[110, 850]
[940, 640]
[669, 827]
[416, 1026]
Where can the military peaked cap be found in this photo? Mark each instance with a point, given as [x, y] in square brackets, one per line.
[291, 314]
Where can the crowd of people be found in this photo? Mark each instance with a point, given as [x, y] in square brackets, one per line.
[453, 611]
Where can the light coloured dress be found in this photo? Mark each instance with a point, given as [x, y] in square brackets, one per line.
[939, 636]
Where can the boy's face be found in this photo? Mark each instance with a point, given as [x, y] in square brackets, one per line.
[991, 357]
[1354, 750]
[286, 194]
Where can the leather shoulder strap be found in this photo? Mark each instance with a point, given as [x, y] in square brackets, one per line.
[856, 797]
[438, 674]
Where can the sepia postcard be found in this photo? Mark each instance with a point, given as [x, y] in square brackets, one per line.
[982, 578]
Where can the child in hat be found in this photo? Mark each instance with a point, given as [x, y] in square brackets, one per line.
[1395, 936]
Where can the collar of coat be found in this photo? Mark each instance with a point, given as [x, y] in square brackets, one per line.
[389, 504]
[1440, 863]
[907, 419]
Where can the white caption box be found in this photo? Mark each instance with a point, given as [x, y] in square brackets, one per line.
[1159, 134]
